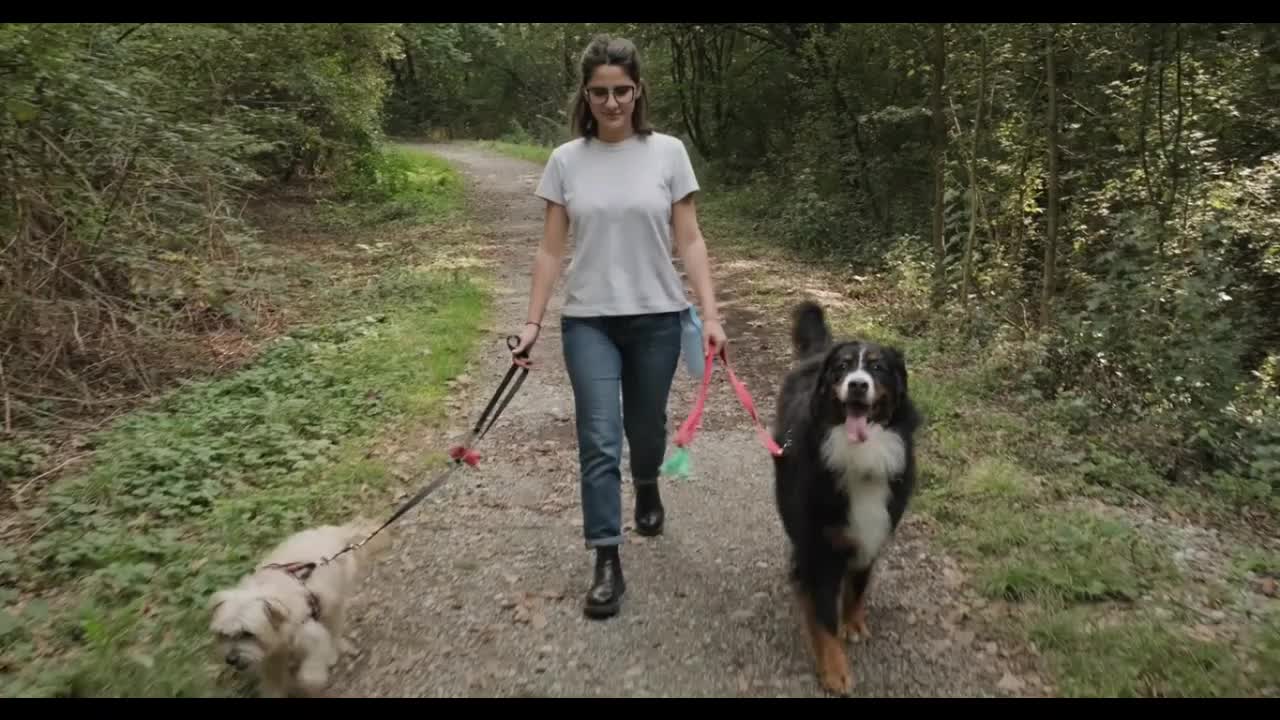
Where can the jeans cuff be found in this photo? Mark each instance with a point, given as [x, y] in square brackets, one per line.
[594, 543]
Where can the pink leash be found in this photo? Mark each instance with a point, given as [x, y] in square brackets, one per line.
[684, 436]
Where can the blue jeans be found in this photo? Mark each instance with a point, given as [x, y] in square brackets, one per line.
[621, 369]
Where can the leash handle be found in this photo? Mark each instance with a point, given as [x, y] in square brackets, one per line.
[513, 341]
[684, 436]
[480, 429]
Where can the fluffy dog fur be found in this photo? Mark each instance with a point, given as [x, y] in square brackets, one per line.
[264, 624]
[846, 423]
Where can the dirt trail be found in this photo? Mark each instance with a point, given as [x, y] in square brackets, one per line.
[482, 593]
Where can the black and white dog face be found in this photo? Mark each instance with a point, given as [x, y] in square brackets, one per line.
[861, 383]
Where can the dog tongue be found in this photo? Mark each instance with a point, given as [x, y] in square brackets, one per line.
[856, 427]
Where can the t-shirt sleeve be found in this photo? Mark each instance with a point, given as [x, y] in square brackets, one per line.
[683, 179]
[551, 186]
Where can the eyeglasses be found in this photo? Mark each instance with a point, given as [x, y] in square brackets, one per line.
[600, 95]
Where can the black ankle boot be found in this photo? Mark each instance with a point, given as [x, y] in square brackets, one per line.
[607, 587]
[649, 512]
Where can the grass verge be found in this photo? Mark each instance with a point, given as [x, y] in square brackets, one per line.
[397, 185]
[1042, 519]
[532, 153]
[108, 598]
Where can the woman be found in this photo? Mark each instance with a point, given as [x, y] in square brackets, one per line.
[629, 193]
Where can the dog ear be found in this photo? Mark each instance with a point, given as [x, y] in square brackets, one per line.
[277, 613]
[898, 361]
[824, 405]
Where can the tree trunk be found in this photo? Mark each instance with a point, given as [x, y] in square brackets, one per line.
[1051, 235]
[848, 130]
[974, 197]
[939, 164]
[566, 56]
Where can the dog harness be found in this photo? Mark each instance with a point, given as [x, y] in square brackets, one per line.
[300, 571]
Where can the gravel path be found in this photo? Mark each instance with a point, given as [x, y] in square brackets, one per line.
[482, 594]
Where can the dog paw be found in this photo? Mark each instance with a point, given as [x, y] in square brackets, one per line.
[272, 691]
[313, 679]
[836, 677]
[853, 625]
[855, 630]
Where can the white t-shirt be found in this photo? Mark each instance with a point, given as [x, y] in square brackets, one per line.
[619, 198]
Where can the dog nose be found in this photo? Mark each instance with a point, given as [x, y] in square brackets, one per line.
[233, 660]
[858, 387]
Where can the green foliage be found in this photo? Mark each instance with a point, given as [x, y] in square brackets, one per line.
[132, 150]
[481, 80]
[1143, 657]
[995, 516]
[20, 458]
[533, 153]
[396, 184]
[181, 497]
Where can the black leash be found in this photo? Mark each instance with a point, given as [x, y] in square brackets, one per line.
[476, 433]
[460, 454]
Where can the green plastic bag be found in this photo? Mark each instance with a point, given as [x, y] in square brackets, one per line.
[678, 464]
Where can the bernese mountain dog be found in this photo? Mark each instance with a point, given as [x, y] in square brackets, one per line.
[845, 423]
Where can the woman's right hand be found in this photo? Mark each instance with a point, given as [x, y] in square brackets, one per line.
[528, 336]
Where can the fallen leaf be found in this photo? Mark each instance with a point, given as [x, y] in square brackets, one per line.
[1011, 683]
[142, 659]
[952, 578]
[1269, 587]
[1200, 631]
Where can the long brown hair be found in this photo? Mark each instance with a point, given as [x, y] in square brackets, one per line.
[607, 50]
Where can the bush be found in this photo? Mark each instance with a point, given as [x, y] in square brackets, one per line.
[130, 152]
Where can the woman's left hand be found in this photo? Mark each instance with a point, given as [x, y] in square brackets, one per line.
[713, 337]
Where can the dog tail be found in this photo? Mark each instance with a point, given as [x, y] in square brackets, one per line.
[809, 332]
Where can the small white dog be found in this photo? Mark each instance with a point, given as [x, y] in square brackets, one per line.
[288, 627]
